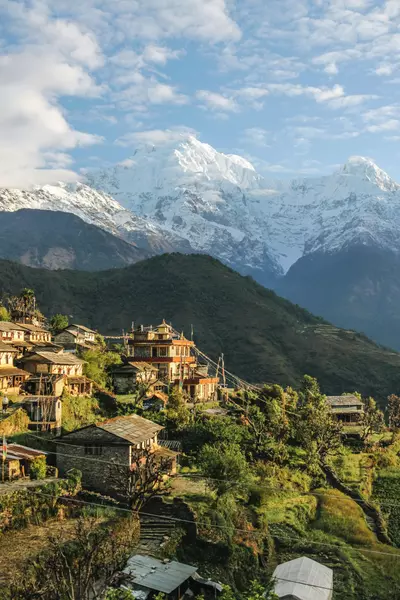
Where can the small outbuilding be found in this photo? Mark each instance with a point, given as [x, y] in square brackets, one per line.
[303, 579]
[348, 409]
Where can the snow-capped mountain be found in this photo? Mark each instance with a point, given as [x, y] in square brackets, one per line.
[188, 197]
[222, 206]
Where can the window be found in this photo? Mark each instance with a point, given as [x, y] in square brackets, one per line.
[162, 351]
[93, 450]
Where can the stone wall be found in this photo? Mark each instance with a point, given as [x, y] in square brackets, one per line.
[96, 469]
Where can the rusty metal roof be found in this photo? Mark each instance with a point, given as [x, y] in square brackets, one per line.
[21, 452]
[132, 428]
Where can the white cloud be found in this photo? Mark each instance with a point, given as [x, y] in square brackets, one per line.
[143, 91]
[256, 136]
[391, 125]
[160, 55]
[216, 101]
[156, 136]
[55, 61]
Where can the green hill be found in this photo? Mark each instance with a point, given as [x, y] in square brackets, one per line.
[263, 337]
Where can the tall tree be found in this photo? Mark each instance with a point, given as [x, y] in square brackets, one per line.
[393, 408]
[373, 420]
[226, 468]
[58, 322]
[317, 430]
[142, 480]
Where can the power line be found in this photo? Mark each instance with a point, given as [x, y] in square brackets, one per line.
[232, 481]
[215, 526]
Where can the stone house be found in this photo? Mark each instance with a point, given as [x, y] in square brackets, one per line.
[11, 378]
[175, 359]
[53, 363]
[348, 409]
[14, 334]
[75, 336]
[94, 449]
[127, 377]
[36, 333]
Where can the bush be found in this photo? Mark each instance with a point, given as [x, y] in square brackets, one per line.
[38, 468]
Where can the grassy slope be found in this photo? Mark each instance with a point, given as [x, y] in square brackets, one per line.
[263, 337]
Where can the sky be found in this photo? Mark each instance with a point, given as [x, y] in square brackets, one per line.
[295, 86]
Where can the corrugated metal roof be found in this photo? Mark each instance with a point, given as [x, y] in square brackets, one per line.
[304, 579]
[132, 428]
[148, 572]
[20, 452]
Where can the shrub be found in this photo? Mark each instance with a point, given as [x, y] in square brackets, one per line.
[38, 468]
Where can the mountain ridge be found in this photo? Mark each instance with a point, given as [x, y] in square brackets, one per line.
[263, 337]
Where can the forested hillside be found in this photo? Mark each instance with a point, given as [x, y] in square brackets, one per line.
[264, 338]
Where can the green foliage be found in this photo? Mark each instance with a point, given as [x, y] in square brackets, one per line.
[58, 322]
[98, 363]
[373, 420]
[178, 415]
[386, 489]
[19, 508]
[38, 468]
[79, 411]
[209, 431]
[263, 337]
[225, 465]
[4, 314]
[317, 430]
[393, 408]
[119, 595]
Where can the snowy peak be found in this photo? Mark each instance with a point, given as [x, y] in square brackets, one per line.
[364, 169]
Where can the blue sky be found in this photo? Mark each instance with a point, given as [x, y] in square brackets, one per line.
[295, 86]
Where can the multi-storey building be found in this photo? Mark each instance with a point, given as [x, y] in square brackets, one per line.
[174, 357]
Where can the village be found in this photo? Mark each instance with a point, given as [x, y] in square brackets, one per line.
[127, 455]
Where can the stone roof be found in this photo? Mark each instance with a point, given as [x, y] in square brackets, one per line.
[6, 347]
[56, 358]
[35, 328]
[343, 400]
[81, 327]
[132, 428]
[8, 371]
[8, 326]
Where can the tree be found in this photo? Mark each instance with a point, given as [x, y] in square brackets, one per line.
[372, 421]
[393, 408]
[178, 414]
[226, 468]
[72, 566]
[4, 314]
[146, 477]
[97, 364]
[119, 594]
[317, 430]
[58, 322]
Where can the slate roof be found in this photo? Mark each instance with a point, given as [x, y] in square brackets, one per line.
[131, 428]
[7, 371]
[81, 327]
[7, 347]
[348, 402]
[303, 579]
[56, 358]
[36, 328]
[148, 572]
[8, 326]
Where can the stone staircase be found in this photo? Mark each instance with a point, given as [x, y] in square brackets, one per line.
[156, 527]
